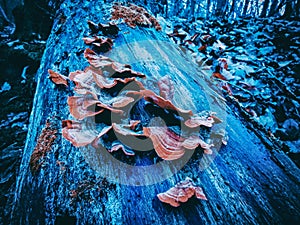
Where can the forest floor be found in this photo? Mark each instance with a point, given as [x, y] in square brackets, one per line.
[255, 62]
[19, 63]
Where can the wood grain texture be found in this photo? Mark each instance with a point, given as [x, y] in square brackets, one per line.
[244, 182]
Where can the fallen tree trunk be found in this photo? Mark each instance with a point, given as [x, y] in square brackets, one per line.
[244, 182]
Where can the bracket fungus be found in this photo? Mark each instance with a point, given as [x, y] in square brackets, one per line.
[73, 131]
[91, 79]
[84, 106]
[84, 82]
[133, 124]
[90, 83]
[94, 97]
[91, 101]
[57, 78]
[115, 69]
[197, 121]
[125, 130]
[114, 132]
[104, 74]
[150, 96]
[80, 134]
[166, 143]
[116, 147]
[194, 141]
[108, 88]
[109, 83]
[181, 193]
[109, 29]
[122, 101]
[171, 146]
[101, 44]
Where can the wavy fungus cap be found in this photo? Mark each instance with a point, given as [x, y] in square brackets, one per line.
[182, 192]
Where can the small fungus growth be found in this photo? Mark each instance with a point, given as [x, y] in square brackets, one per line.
[57, 78]
[181, 193]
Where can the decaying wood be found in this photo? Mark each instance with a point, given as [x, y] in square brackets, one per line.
[244, 182]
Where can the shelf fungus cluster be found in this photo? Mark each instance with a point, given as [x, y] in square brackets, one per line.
[102, 75]
[134, 16]
[181, 193]
[101, 44]
[107, 89]
[96, 89]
